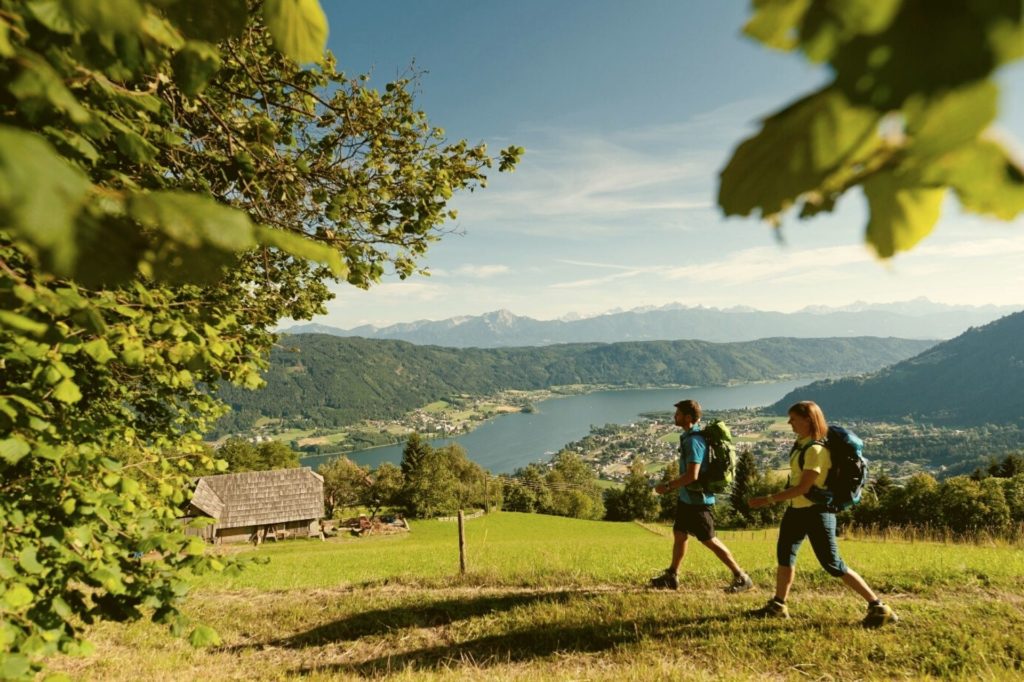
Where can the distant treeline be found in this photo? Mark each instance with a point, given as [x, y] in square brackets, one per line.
[329, 381]
[438, 482]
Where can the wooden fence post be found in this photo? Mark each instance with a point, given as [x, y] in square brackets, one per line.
[462, 544]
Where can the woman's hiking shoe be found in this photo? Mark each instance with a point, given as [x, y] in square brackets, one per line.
[772, 609]
[666, 581]
[879, 615]
[740, 583]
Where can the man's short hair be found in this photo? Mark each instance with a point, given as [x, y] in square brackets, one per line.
[690, 407]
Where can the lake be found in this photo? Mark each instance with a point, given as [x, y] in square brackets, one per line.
[507, 442]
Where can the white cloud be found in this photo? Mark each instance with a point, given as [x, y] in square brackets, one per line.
[578, 284]
[590, 180]
[776, 263]
[482, 271]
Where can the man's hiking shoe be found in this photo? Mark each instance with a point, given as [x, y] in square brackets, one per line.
[666, 581]
[740, 583]
[879, 615]
[772, 609]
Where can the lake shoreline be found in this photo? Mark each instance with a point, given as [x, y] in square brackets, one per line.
[503, 445]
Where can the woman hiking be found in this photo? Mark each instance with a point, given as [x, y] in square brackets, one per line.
[809, 463]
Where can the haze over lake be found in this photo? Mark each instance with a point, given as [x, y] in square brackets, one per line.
[508, 442]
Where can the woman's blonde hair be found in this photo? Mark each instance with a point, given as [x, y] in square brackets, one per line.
[810, 411]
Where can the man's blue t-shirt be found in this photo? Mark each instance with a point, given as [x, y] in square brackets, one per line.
[693, 448]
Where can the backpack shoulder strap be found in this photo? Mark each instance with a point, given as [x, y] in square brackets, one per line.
[803, 450]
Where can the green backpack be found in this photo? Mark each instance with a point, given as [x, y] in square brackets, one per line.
[718, 469]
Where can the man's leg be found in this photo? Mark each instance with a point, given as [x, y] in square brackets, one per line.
[719, 549]
[679, 539]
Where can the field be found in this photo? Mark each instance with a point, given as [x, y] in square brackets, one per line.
[552, 598]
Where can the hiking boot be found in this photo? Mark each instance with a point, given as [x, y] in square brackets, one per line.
[772, 609]
[879, 615]
[666, 581]
[740, 583]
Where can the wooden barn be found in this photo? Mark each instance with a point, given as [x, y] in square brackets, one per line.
[258, 505]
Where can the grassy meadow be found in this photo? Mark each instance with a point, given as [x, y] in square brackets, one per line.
[554, 598]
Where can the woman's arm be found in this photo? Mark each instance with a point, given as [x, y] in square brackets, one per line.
[807, 479]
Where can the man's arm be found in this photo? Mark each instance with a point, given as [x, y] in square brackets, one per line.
[692, 470]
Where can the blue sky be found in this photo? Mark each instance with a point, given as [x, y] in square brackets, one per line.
[628, 111]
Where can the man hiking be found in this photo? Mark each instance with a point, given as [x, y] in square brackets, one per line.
[693, 509]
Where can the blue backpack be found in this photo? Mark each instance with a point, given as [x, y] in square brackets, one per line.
[847, 476]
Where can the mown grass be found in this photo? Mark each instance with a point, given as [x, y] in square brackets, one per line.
[551, 598]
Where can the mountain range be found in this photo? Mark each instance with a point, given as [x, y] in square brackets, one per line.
[917, 319]
[976, 378]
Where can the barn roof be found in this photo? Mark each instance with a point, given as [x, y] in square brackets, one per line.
[254, 498]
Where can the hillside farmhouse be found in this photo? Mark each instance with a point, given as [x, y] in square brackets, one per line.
[258, 505]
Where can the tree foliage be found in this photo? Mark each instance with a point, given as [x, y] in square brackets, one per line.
[345, 484]
[171, 185]
[959, 505]
[635, 501]
[906, 116]
[241, 455]
[441, 481]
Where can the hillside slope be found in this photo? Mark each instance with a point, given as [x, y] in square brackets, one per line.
[337, 381]
[976, 378]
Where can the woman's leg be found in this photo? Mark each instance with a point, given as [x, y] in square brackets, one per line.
[783, 581]
[791, 535]
[826, 549]
[857, 584]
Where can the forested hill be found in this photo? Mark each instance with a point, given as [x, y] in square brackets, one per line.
[976, 378]
[336, 381]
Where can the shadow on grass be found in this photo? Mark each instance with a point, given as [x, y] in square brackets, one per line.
[410, 615]
[521, 643]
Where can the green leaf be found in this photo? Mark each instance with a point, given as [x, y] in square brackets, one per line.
[17, 596]
[6, 49]
[133, 353]
[135, 146]
[22, 323]
[13, 449]
[211, 22]
[298, 28]
[67, 392]
[161, 30]
[40, 194]
[938, 124]
[99, 351]
[55, 15]
[15, 667]
[38, 82]
[204, 636]
[302, 247]
[110, 580]
[28, 561]
[104, 17]
[194, 66]
[902, 211]
[775, 22]
[196, 547]
[829, 24]
[946, 51]
[193, 220]
[984, 177]
[796, 150]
